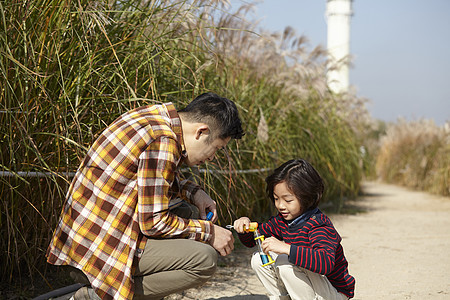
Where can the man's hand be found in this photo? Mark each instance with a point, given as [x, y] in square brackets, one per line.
[222, 240]
[204, 204]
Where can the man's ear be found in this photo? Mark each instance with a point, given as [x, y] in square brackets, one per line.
[201, 130]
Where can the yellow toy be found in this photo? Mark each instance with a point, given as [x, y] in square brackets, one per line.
[265, 258]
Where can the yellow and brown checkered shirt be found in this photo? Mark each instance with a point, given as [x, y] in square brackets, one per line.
[120, 197]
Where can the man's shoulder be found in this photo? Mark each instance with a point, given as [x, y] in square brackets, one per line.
[157, 117]
[156, 110]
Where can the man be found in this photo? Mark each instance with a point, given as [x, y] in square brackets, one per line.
[117, 225]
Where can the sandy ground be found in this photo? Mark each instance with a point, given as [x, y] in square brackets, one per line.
[397, 245]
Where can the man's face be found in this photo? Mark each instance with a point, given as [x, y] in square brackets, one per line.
[198, 150]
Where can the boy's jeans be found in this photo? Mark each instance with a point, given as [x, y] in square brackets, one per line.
[284, 281]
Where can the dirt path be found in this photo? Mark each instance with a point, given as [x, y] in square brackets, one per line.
[398, 247]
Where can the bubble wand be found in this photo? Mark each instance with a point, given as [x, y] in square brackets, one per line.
[266, 259]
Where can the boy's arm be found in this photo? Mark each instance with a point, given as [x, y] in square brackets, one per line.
[319, 256]
[247, 238]
[270, 228]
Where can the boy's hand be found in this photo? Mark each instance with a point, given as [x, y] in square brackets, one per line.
[275, 245]
[241, 224]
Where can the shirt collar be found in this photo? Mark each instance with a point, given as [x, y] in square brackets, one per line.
[298, 222]
[176, 125]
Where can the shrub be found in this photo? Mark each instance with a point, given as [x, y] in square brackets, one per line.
[416, 154]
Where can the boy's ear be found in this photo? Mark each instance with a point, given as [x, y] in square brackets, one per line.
[202, 129]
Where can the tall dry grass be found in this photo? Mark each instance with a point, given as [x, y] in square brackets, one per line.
[416, 154]
[279, 81]
[69, 68]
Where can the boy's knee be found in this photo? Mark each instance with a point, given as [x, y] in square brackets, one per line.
[285, 271]
[285, 268]
[256, 261]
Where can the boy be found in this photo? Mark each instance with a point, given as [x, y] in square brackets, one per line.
[309, 259]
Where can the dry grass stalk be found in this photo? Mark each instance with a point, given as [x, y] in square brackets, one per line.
[416, 154]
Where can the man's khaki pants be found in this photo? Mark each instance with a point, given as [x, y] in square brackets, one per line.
[169, 266]
[284, 281]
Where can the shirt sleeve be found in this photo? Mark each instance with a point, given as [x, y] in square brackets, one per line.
[156, 173]
[188, 190]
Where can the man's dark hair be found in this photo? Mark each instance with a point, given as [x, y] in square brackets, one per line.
[302, 179]
[219, 113]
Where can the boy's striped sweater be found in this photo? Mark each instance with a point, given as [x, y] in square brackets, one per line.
[315, 246]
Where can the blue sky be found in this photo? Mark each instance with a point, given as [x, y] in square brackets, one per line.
[400, 49]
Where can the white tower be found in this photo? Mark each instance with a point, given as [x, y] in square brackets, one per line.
[338, 14]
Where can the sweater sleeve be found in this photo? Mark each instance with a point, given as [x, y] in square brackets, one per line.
[265, 229]
[247, 239]
[270, 228]
[319, 256]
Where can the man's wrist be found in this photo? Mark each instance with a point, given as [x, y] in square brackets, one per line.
[194, 191]
[211, 232]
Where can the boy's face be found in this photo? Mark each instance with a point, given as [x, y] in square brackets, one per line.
[285, 201]
[198, 150]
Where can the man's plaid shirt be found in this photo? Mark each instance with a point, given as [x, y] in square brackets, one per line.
[120, 197]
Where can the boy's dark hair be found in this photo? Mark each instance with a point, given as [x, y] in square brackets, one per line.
[302, 180]
[219, 113]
